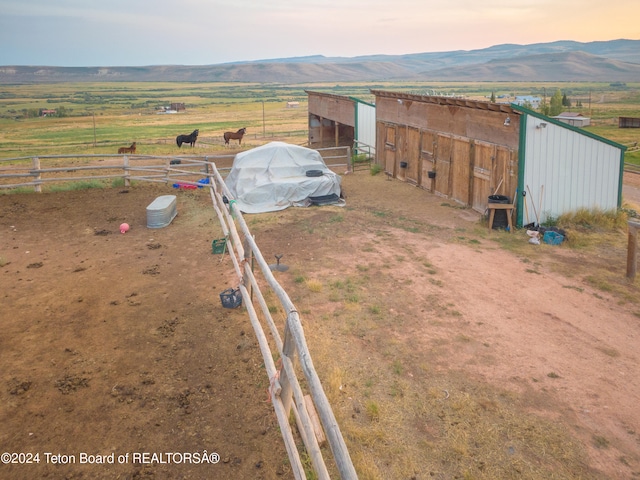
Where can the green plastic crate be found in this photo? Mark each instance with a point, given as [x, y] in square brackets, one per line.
[219, 245]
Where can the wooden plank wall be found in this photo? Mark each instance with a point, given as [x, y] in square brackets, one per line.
[466, 171]
[472, 151]
[331, 120]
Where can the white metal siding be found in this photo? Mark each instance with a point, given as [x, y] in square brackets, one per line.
[565, 171]
[366, 124]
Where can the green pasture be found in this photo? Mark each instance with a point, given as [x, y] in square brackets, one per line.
[102, 116]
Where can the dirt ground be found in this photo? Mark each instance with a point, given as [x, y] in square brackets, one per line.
[117, 343]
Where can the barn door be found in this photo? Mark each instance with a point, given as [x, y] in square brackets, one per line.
[427, 160]
[505, 170]
[460, 170]
[389, 149]
[401, 148]
[443, 165]
[412, 154]
[485, 156]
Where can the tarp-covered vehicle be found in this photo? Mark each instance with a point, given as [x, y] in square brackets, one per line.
[278, 175]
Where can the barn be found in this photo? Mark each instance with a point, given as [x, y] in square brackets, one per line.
[575, 119]
[628, 122]
[468, 150]
[337, 120]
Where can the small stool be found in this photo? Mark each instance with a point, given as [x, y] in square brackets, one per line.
[500, 206]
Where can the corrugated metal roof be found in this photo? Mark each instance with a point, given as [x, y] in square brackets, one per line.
[570, 115]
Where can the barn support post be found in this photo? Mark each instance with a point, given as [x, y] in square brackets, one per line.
[337, 133]
[632, 249]
[36, 167]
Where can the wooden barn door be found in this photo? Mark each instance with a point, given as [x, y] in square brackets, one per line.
[505, 169]
[412, 154]
[427, 160]
[443, 165]
[484, 161]
[460, 170]
[401, 152]
[389, 149]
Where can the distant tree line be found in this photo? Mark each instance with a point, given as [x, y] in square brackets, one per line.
[558, 103]
[58, 112]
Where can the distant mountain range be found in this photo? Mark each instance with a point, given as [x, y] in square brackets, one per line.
[610, 61]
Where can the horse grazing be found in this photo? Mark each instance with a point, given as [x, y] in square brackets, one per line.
[131, 149]
[191, 138]
[234, 136]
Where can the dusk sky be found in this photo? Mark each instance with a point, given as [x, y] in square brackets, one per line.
[204, 32]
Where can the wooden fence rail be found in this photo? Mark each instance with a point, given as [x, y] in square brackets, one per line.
[21, 172]
[32, 172]
[290, 347]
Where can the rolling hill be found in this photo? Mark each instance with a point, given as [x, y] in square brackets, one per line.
[610, 61]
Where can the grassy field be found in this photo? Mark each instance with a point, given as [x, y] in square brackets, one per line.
[98, 117]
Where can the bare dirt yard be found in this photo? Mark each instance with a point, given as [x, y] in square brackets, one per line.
[446, 351]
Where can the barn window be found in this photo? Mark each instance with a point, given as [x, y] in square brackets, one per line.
[390, 137]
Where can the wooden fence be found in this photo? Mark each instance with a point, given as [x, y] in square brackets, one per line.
[285, 390]
[39, 171]
[312, 411]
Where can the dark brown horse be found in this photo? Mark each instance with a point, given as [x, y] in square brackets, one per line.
[131, 149]
[234, 136]
[191, 138]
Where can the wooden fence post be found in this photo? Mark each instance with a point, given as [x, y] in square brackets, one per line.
[632, 248]
[288, 350]
[38, 175]
[127, 174]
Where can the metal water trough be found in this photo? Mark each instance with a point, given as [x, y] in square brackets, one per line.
[162, 211]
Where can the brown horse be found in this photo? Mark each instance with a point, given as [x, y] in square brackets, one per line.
[234, 136]
[131, 149]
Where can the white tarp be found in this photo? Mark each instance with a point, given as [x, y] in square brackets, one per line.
[274, 176]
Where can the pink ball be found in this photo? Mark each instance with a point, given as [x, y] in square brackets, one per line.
[124, 228]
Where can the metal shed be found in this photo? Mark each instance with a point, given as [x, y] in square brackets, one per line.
[468, 150]
[336, 120]
[564, 169]
[575, 119]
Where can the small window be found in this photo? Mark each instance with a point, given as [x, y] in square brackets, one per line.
[390, 137]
